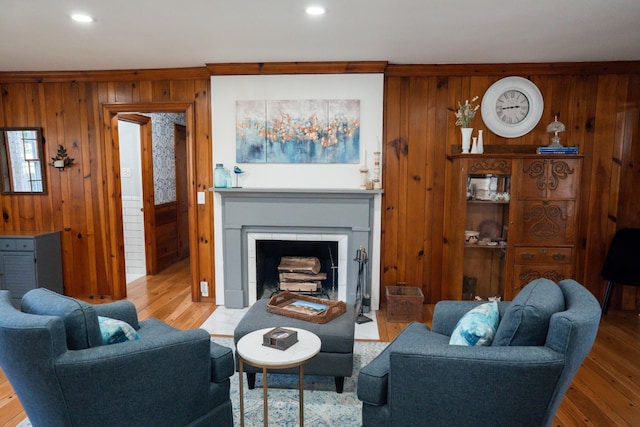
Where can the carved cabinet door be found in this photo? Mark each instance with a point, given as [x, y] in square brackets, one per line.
[546, 222]
[549, 179]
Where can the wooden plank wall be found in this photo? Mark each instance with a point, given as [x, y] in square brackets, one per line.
[80, 201]
[599, 103]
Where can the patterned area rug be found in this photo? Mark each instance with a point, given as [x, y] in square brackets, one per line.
[322, 405]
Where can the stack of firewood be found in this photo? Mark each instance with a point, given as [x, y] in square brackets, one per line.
[300, 273]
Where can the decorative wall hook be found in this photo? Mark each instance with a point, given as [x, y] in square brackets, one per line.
[62, 159]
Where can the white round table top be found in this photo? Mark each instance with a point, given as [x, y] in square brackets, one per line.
[252, 351]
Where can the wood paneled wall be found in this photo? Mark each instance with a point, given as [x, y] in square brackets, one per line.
[599, 103]
[82, 202]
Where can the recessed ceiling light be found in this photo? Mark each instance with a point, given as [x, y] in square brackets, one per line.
[315, 10]
[81, 17]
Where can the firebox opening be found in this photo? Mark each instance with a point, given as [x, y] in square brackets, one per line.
[270, 252]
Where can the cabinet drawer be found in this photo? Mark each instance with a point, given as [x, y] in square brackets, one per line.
[16, 244]
[24, 245]
[7, 244]
[529, 255]
[525, 273]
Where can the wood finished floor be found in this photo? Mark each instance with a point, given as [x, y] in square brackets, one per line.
[605, 392]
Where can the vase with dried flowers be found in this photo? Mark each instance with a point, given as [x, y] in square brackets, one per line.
[464, 114]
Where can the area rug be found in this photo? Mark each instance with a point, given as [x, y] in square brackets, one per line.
[323, 407]
[223, 321]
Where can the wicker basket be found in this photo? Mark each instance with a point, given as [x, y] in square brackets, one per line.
[278, 304]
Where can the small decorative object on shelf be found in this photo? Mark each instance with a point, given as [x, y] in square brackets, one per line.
[280, 338]
[480, 142]
[464, 114]
[364, 172]
[555, 127]
[474, 146]
[221, 177]
[237, 172]
[377, 185]
[62, 159]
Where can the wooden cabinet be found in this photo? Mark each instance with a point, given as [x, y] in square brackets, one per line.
[547, 198]
[524, 207]
[30, 260]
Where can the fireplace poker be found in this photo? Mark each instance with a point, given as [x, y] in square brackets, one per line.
[361, 259]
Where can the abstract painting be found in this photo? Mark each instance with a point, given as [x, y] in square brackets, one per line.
[298, 131]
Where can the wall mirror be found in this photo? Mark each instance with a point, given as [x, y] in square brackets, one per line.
[21, 162]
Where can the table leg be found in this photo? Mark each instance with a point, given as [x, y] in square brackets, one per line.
[264, 397]
[241, 392]
[301, 385]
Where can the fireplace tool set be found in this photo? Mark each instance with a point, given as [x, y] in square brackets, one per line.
[361, 258]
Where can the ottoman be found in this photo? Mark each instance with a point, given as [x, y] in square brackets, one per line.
[336, 351]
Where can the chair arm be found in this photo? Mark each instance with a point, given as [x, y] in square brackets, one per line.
[121, 310]
[222, 362]
[460, 386]
[161, 380]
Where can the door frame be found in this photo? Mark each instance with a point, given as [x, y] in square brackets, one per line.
[112, 182]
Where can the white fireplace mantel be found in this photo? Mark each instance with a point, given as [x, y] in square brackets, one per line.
[240, 212]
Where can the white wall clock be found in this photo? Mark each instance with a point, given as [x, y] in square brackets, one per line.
[512, 106]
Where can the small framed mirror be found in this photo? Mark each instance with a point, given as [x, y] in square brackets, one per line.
[21, 162]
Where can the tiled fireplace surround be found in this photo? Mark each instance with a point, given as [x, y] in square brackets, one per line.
[247, 215]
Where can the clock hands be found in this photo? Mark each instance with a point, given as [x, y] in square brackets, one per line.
[509, 108]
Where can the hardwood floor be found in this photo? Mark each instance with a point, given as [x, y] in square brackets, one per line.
[605, 392]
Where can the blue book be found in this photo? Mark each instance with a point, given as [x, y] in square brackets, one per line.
[557, 150]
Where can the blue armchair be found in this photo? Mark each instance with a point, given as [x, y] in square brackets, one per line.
[53, 354]
[542, 338]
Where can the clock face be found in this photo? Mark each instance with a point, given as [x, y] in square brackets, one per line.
[512, 106]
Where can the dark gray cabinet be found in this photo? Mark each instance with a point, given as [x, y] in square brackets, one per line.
[30, 260]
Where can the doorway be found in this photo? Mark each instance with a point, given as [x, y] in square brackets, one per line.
[153, 165]
[150, 195]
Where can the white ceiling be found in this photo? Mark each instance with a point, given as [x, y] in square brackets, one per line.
[38, 35]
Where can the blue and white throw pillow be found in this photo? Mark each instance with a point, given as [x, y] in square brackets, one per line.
[115, 331]
[477, 327]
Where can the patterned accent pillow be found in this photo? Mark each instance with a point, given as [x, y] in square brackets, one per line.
[115, 331]
[477, 326]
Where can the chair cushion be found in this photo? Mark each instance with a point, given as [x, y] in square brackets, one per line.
[80, 319]
[115, 331]
[477, 326]
[526, 321]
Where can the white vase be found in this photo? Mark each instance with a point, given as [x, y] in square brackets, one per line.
[474, 146]
[480, 143]
[466, 139]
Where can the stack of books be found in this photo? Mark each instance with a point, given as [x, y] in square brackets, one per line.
[557, 150]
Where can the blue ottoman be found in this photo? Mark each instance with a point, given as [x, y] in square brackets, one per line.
[336, 352]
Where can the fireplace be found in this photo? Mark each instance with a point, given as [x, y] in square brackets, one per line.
[269, 257]
[346, 219]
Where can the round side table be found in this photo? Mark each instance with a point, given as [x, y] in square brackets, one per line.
[250, 350]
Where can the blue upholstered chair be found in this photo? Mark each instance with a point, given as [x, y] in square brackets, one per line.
[542, 338]
[54, 354]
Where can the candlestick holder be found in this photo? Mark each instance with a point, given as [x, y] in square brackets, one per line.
[363, 177]
[377, 185]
